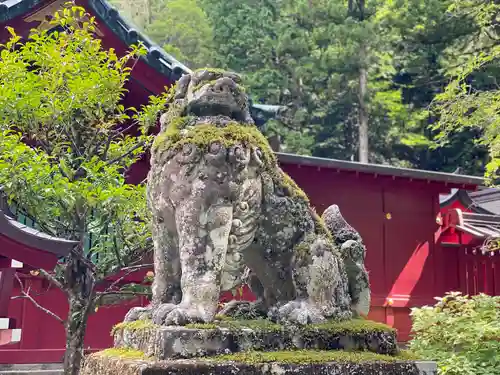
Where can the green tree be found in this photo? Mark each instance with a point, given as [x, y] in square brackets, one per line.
[470, 102]
[60, 92]
[181, 27]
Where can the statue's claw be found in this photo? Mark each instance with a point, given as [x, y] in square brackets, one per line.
[297, 312]
[168, 314]
[138, 313]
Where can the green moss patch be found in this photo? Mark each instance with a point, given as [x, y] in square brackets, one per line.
[307, 357]
[354, 326]
[124, 353]
[138, 325]
[262, 325]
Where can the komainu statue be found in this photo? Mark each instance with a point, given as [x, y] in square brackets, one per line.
[223, 209]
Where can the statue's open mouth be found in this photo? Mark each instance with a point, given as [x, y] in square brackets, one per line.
[220, 98]
[212, 106]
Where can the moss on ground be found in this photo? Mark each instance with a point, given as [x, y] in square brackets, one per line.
[309, 356]
[123, 353]
[135, 326]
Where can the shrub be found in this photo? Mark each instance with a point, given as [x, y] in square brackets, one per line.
[461, 333]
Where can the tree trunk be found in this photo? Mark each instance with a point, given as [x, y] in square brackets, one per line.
[363, 83]
[363, 110]
[75, 334]
[80, 285]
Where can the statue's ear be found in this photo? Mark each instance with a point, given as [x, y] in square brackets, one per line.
[182, 86]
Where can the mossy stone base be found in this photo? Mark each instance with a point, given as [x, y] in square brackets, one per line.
[234, 337]
[103, 364]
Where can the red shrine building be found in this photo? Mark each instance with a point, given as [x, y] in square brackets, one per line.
[425, 233]
[22, 249]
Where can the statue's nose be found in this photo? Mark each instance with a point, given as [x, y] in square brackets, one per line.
[224, 84]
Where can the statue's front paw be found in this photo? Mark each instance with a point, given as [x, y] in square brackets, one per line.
[161, 312]
[137, 313]
[169, 314]
[297, 312]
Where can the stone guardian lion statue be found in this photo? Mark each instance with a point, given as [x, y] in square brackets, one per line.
[221, 206]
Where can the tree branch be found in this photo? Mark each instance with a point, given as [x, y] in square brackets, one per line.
[27, 296]
[117, 159]
[128, 271]
[53, 280]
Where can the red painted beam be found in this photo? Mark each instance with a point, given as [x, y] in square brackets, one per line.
[33, 257]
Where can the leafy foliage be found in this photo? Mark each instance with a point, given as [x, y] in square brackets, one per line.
[461, 333]
[62, 91]
[470, 101]
[65, 143]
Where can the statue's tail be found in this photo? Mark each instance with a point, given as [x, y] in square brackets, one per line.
[353, 253]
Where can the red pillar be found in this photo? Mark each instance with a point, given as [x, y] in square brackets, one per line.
[8, 333]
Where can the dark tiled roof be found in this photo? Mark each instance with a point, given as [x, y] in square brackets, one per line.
[482, 226]
[482, 201]
[488, 199]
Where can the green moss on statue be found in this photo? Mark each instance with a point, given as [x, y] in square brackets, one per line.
[309, 356]
[233, 133]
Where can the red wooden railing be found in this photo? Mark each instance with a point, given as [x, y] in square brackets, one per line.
[479, 272]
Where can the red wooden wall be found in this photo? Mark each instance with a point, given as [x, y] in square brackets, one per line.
[396, 217]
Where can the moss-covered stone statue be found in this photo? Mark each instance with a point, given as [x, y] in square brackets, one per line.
[224, 213]
[222, 206]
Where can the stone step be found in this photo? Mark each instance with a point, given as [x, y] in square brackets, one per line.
[31, 366]
[42, 369]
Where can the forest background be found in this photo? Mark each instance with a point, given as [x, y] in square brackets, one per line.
[362, 80]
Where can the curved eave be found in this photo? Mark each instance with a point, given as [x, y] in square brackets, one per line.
[30, 238]
[33, 238]
[467, 201]
[156, 57]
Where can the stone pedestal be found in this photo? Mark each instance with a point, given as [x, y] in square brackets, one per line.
[104, 364]
[229, 347]
[231, 336]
